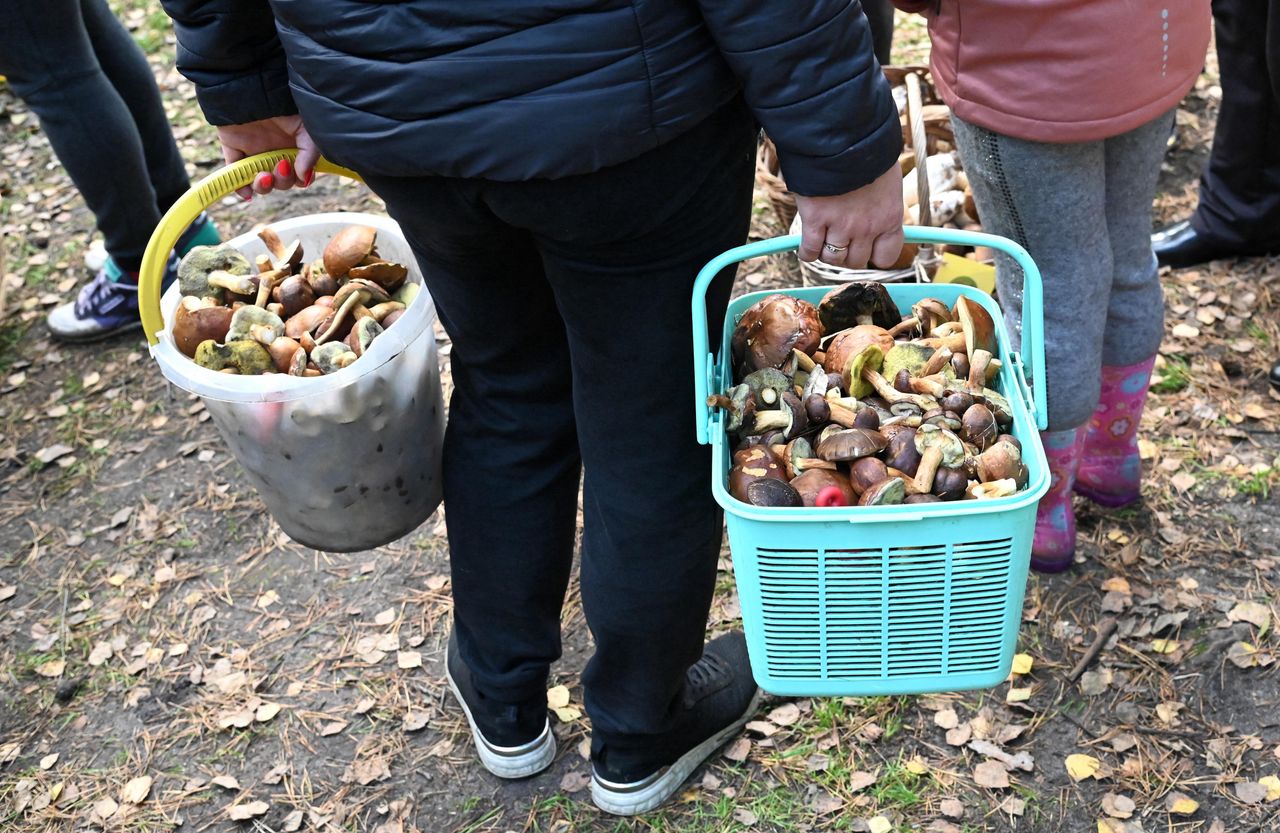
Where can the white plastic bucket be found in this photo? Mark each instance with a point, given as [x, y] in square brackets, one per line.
[346, 461]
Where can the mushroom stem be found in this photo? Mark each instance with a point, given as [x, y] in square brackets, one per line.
[892, 395]
[268, 281]
[767, 421]
[906, 325]
[953, 342]
[271, 240]
[803, 360]
[841, 415]
[239, 284]
[928, 387]
[947, 328]
[936, 362]
[978, 371]
[339, 316]
[929, 462]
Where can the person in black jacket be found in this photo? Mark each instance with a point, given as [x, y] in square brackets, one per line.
[562, 171]
[1239, 209]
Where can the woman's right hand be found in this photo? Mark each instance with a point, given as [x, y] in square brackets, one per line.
[278, 133]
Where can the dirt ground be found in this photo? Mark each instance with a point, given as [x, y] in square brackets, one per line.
[170, 660]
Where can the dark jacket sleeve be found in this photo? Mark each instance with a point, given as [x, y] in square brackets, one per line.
[809, 74]
[229, 49]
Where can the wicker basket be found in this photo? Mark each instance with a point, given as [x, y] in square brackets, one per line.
[918, 140]
[769, 180]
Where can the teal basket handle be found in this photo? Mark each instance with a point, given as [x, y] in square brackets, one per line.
[1028, 362]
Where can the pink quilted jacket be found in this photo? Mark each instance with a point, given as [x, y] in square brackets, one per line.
[1064, 70]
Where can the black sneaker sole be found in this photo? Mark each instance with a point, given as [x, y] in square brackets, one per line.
[643, 796]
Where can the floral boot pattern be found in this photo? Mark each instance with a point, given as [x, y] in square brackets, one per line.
[1110, 467]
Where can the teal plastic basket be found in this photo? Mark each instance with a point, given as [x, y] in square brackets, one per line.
[882, 600]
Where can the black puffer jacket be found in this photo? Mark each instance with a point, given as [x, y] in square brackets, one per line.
[519, 89]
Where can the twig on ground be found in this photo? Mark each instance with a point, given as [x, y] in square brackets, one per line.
[1105, 628]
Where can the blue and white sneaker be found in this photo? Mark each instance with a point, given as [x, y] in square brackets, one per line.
[108, 305]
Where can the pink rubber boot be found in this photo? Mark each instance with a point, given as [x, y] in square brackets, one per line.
[1110, 468]
[1054, 547]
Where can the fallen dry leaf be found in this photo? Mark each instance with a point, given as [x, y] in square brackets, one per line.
[266, 711]
[7, 591]
[1181, 804]
[991, 774]
[386, 617]
[415, 721]
[574, 781]
[879, 824]
[785, 715]
[332, 728]
[1022, 663]
[1272, 783]
[946, 719]
[557, 697]
[1118, 806]
[951, 808]
[1080, 767]
[105, 808]
[136, 791]
[1164, 646]
[1254, 613]
[244, 812]
[859, 780]
[408, 659]
[1250, 792]
[567, 714]
[227, 782]
[738, 750]
[52, 668]
[48, 761]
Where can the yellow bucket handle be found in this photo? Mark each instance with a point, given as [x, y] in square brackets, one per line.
[202, 195]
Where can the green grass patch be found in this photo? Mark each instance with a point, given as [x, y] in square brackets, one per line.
[1174, 377]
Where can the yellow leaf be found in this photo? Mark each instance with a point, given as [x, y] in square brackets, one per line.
[567, 714]
[55, 791]
[1118, 584]
[1018, 695]
[1080, 767]
[1022, 663]
[917, 766]
[557, 697]
[879, 824]
[1109, 826]
[135, 792]
[1164, 646]
[1272, 784]
[1180, 804]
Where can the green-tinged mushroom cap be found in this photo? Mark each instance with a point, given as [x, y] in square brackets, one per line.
[248, 358]
[197, 265]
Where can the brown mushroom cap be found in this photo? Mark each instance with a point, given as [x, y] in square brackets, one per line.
[979, 329]
[306, 320]
[979, 426]
[1001, 461]
[769, 492]
[850, 444]
[347, 248]
[756, 463]
[847, 344]
[195, 322]
[888, 491]
[284, 352]
[810, 483]
[294, 294]
[866, 472]
[859, 302]
[389, 276]
[771, 328]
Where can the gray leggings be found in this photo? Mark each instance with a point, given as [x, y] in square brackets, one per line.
[1083, 211]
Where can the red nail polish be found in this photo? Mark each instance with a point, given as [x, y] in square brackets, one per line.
[306, 180]
[283, 168]
[265, 181]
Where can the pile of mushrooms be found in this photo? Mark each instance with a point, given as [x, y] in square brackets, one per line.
[850, 402]
[281, 315]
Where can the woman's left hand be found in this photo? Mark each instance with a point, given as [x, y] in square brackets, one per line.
[241, 140]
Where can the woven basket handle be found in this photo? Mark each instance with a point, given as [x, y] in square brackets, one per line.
[920, 144]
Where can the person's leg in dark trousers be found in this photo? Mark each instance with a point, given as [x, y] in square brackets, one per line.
[619, 251]
[1240, 188]
[126, 67]
[880, 15]
[53, 65]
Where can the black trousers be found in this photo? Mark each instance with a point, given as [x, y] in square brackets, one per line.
[568, 304]
[1240, 187]
[81, 73]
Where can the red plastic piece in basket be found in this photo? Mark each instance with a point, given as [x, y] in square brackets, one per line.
[830, 496]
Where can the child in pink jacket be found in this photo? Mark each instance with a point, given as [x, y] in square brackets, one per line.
[1061, 111]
